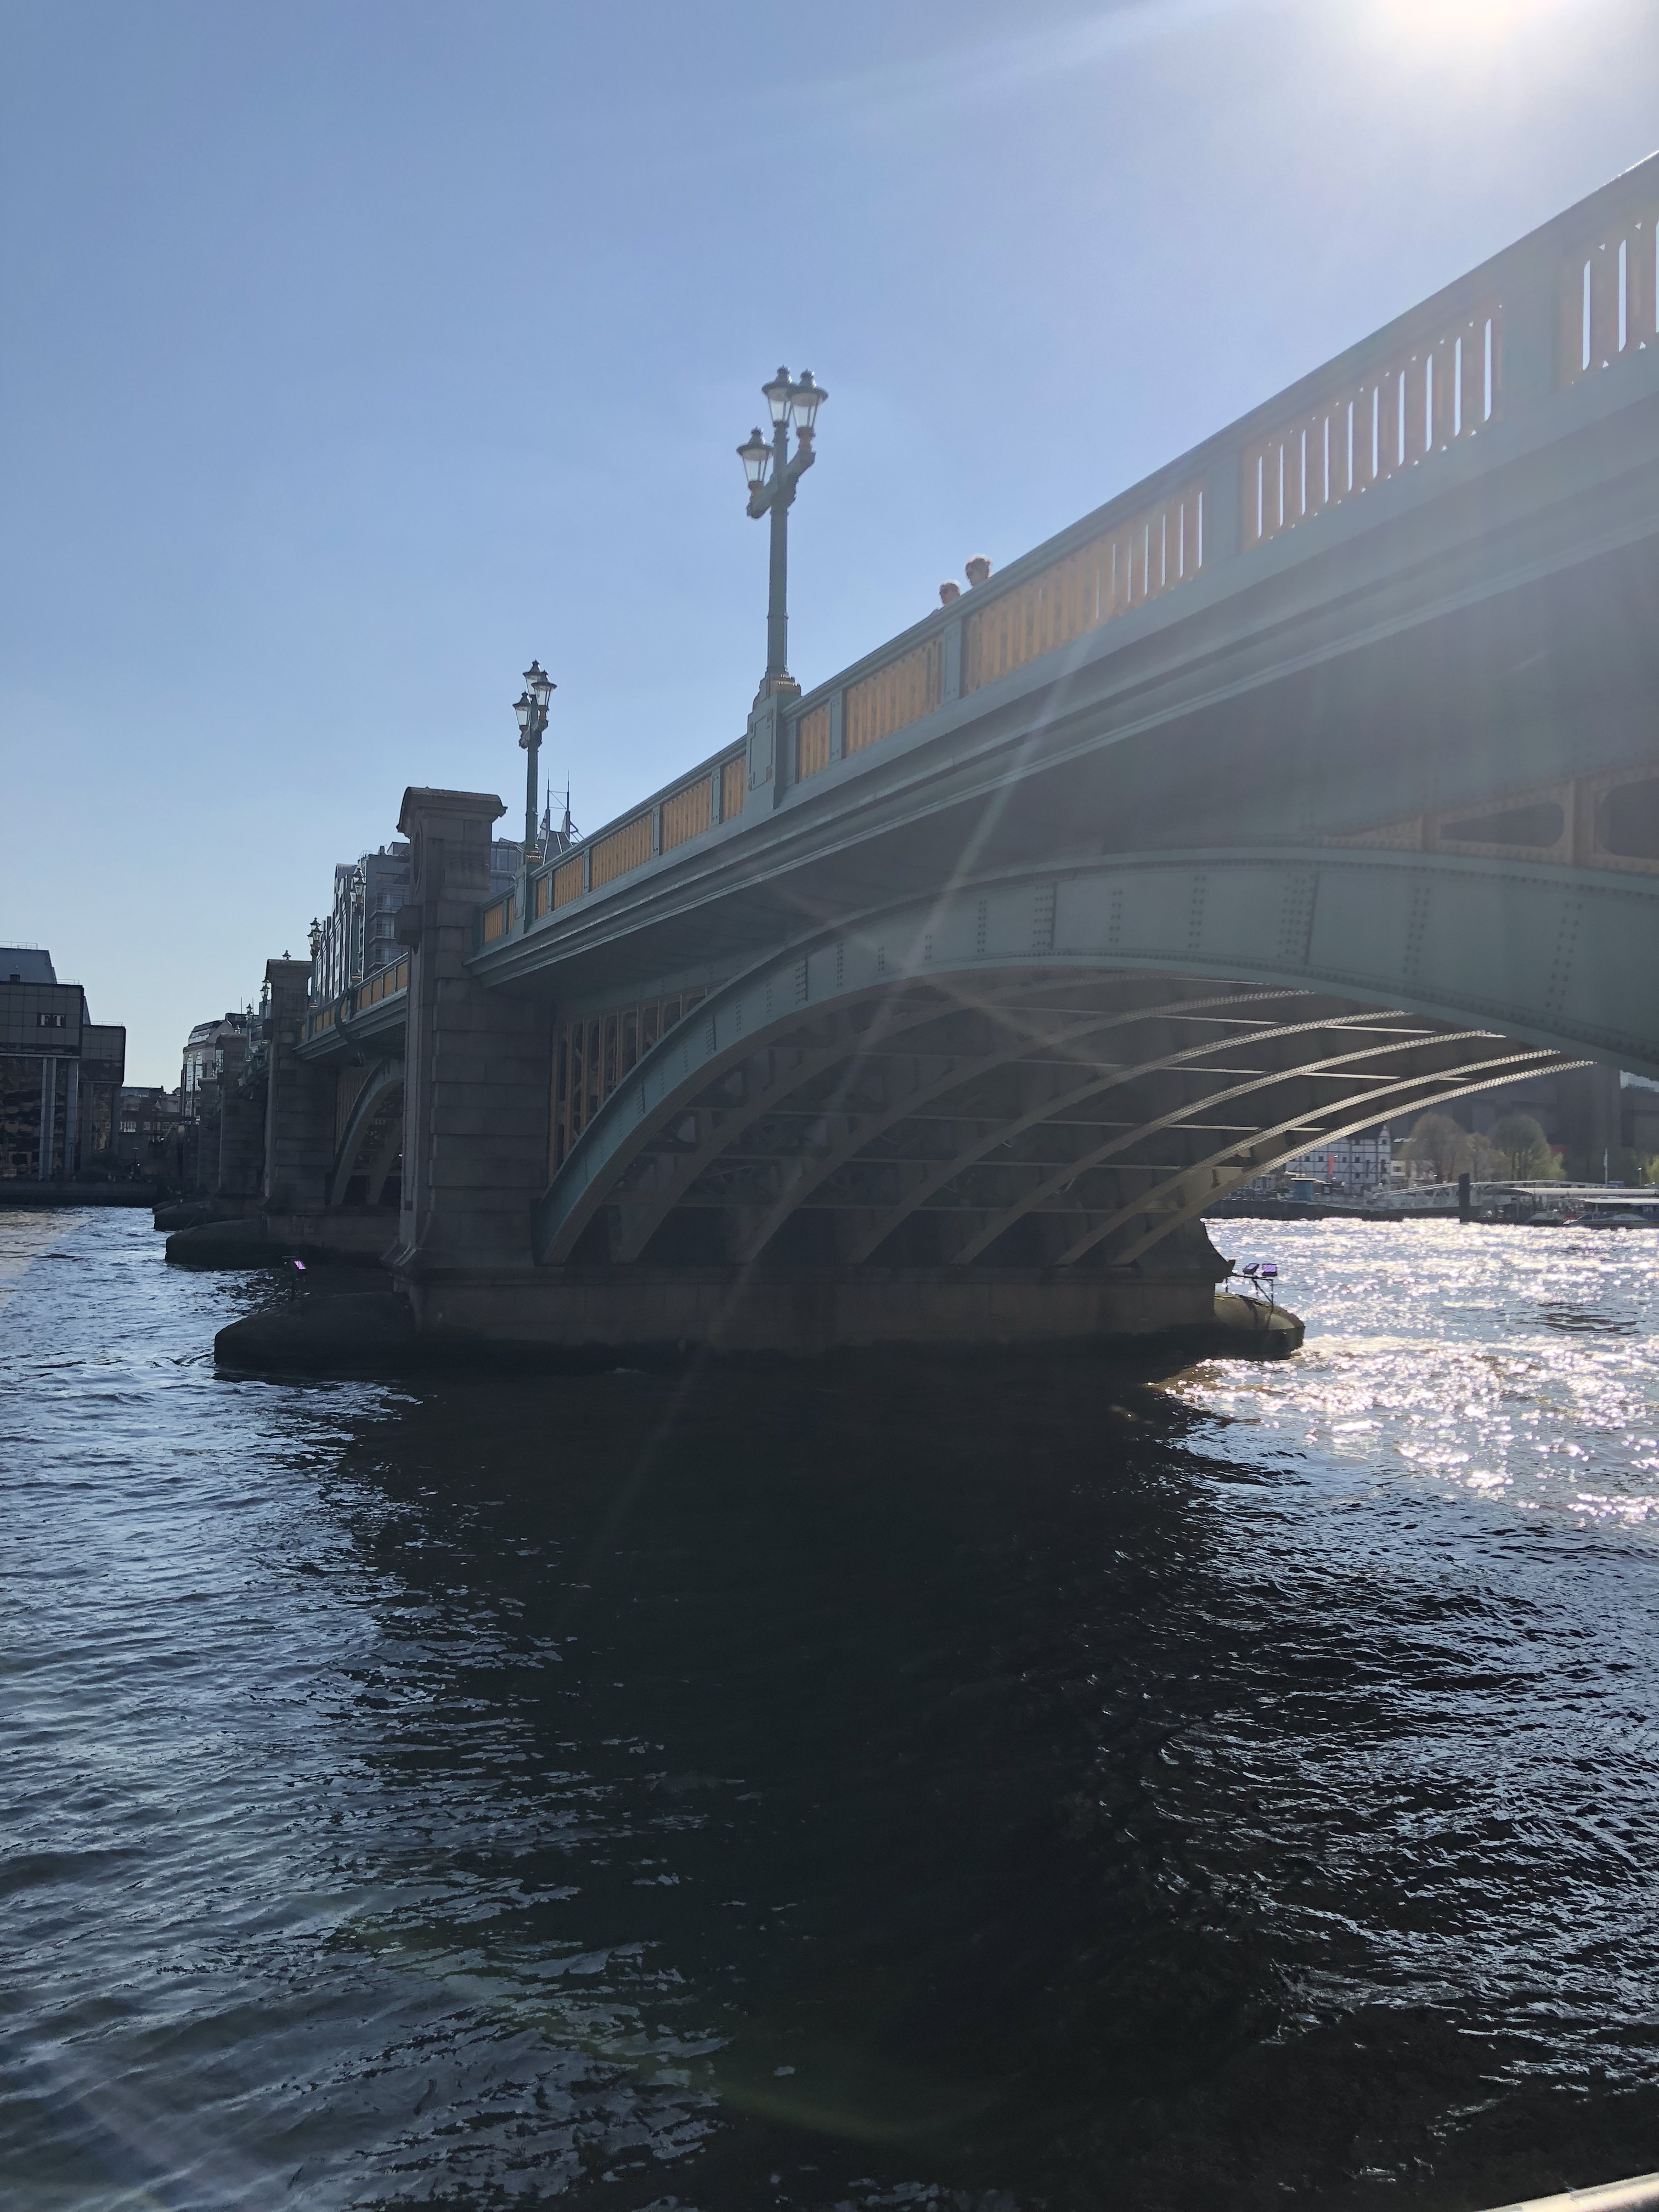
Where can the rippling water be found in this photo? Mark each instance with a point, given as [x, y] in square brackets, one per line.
[984, 1785]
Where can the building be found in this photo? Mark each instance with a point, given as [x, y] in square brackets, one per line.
[60, 1073]
[1346, 1166]
[205, 1058]
[147, 1130]
[360, 936]
[1353, 1165]
[218, 1127]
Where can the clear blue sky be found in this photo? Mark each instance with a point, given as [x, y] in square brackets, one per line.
[353, 351]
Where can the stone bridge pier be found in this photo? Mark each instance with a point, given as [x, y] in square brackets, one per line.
[476, 1089]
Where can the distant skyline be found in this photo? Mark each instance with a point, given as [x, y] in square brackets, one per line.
[352, 355]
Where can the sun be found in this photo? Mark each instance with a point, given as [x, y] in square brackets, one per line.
[1463, 23]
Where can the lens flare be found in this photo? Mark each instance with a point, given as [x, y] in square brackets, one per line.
[1461, 24]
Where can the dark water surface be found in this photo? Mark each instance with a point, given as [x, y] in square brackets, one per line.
[981, 1786]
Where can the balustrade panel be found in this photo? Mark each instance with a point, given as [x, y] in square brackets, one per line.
[732, 787]
[688, 813]
[1416, 405]
[813, 743]
[1099, 581]
[1606, 296]
[623, 850]
[893, 698]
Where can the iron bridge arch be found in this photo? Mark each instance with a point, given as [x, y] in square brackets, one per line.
[1067, 1067]
[367, 1157]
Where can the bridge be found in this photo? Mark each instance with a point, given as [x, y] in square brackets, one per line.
[1312, 781]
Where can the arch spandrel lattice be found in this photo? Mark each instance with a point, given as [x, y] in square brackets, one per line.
[369, 1155]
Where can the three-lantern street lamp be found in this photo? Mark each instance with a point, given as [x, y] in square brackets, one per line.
[530, 707]
[773, 477]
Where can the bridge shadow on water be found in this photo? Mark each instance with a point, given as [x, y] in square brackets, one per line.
[811, 1791]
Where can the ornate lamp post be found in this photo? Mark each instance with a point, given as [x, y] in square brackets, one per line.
[530, 707]
[772, 480]
[355, 927]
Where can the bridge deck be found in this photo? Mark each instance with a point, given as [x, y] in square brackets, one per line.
[1477, 456]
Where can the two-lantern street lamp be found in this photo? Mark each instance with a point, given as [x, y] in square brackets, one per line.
[530, 707]
[773, 474]
[772, 478]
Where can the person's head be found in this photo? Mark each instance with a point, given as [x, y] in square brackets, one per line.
[948, 594]
[978, 570]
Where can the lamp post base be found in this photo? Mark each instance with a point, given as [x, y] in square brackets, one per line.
[781, 686]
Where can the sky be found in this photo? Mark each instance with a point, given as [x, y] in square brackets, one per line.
[352, 352]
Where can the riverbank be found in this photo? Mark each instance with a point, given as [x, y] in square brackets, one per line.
[19, 1196]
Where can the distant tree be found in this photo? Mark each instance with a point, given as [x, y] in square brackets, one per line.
[1522, 1150]
[1485, 1164]
[1436, 1142]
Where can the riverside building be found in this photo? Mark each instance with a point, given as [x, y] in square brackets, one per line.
[60, 1073]
[360, 936]
[205, 1058]
[1353, 1167]
[147, 1133]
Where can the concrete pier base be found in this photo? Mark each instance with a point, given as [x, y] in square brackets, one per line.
[802, 1314]
[379, 1331]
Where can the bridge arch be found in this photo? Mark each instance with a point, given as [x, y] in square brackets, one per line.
[1066, 1065]
[369, 1150]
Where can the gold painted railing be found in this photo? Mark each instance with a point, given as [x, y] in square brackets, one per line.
[1578, 296]
[812, 742]
[732, 775]
[385, 983]
[688, 813]
[685, 813]
[894, 697]
[1120, 569]
[623, 851]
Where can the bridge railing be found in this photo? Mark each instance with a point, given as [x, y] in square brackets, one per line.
[1575, 297]
[373, 991]
[683, 810]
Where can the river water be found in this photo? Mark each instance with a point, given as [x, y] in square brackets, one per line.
[987, 1786]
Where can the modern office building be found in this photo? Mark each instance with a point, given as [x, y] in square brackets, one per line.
[60, 1072]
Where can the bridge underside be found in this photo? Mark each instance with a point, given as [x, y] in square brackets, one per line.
[367, 1169]
[1045, 1119]
[1016, 1153]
